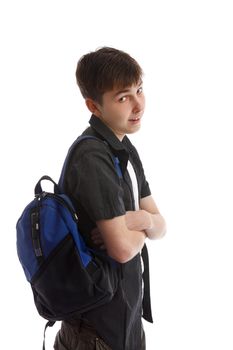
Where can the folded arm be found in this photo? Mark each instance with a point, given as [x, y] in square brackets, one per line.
[123, 237]
[121, 243]
[147, 219]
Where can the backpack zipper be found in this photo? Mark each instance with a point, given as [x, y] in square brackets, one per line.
[59, 200]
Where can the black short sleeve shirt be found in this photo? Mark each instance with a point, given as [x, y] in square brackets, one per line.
[99, 192]
[95, 182]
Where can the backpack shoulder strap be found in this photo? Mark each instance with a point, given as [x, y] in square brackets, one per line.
[71, 150]
[48, 324]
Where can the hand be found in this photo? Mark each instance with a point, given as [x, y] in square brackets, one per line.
[138, 220]
[97, 238]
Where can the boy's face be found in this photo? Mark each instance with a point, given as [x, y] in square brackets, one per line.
[122, 109]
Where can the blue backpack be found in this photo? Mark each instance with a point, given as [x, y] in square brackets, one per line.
[66, 276]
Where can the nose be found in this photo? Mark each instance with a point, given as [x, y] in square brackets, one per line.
[138, 104]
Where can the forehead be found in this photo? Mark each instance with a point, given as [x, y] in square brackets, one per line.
[117, 90]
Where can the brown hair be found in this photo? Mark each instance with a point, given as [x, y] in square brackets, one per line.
[107, 68]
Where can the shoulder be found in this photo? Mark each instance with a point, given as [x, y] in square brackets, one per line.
[92, 155]
[90, 146]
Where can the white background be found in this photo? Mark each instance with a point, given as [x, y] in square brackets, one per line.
[185, 49]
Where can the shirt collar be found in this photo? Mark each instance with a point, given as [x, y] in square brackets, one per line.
[106, 133]
[119, 148]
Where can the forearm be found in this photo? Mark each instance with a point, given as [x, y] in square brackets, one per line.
[133, 243]
[121, 243]
[152, 224]
[138, 220]
[157, 228]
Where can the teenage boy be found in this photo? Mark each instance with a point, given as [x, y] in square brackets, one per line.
[117, 214]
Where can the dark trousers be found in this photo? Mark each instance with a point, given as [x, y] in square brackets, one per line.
[82, 337]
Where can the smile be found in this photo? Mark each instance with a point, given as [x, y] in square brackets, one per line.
[134, 119]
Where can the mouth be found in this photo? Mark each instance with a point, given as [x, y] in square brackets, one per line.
[135, 120]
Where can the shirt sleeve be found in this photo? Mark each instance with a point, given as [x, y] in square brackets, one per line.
[145, 188]
[95, 184]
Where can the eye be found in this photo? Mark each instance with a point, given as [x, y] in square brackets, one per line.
[122, 99]
[140, 91]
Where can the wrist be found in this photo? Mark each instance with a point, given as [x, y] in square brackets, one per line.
[148, 223]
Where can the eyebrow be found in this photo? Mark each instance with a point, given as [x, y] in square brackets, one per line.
[126, 90]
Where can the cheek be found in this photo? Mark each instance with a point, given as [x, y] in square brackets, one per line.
[143, 101]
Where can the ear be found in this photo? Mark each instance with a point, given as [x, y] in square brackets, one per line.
[93, 107]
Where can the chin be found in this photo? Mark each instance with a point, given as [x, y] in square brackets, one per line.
[133, 131]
